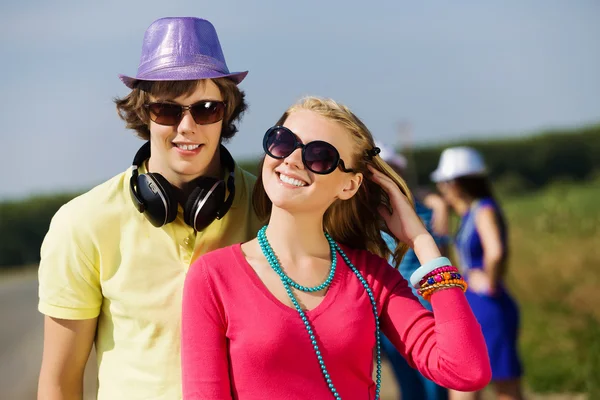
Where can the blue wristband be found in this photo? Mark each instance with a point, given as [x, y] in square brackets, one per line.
[423, 270]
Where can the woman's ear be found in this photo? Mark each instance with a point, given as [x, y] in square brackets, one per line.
[351, 187]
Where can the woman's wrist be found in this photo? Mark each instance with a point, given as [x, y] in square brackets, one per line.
[426, 248]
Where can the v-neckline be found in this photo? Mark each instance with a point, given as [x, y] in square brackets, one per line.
[327, 300]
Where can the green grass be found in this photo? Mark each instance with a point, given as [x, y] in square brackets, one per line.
[554, 274]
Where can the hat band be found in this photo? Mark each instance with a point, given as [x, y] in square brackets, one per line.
[197, 61]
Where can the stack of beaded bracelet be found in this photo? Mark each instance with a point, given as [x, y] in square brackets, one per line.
[440, 278]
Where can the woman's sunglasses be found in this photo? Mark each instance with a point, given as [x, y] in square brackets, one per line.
[170, 114]
[318, 156]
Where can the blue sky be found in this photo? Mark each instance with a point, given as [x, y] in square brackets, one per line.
[449, 69]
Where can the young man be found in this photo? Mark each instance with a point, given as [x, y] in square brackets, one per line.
[114, 260]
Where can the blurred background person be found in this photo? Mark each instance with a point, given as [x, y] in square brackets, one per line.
[482, 249]
[413, 385]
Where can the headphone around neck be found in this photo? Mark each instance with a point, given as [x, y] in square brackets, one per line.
[154, 196]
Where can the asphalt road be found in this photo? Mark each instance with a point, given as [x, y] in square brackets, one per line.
[20, 338]
[21, 334]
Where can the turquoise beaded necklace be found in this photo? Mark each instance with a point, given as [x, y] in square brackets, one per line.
[288, 283]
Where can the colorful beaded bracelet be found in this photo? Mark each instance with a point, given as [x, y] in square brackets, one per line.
[449, 268]
[427, 268]
[437, 278]
[440, 284]
[427, 296]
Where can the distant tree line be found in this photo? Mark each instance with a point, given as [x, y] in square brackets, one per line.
[519, 164]
[529, 163]
[515, 165]
[23, 225]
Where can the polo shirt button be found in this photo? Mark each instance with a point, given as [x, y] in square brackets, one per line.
[186, 241]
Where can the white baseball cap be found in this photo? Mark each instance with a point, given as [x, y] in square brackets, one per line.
[390, 156]
[456, 162]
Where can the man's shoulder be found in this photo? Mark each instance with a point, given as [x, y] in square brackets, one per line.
[244, 194]
[247, 177]
[103, 202]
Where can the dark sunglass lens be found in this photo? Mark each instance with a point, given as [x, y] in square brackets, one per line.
[280, 143]
[165, 114]
[208, 112]
[320, 157]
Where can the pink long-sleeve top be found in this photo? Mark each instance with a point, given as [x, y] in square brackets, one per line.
[240, 342]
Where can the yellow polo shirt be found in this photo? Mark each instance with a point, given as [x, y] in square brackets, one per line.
[102, 258]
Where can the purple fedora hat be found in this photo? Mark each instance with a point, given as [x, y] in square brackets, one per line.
[181, 48]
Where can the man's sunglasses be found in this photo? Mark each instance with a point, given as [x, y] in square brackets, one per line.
[204, 112]
[318, 156]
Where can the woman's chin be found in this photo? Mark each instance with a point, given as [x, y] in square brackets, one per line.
[284, 203]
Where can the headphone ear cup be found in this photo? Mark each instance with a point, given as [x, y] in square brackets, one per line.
[159, 199]
[203, 203]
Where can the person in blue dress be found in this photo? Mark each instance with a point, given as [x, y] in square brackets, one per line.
[482, 249]
[413, 385]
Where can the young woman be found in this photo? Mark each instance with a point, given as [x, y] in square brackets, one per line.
[481, 244]
[297, 312]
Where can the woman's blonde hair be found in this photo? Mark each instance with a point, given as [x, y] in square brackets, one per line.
[355, 222]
